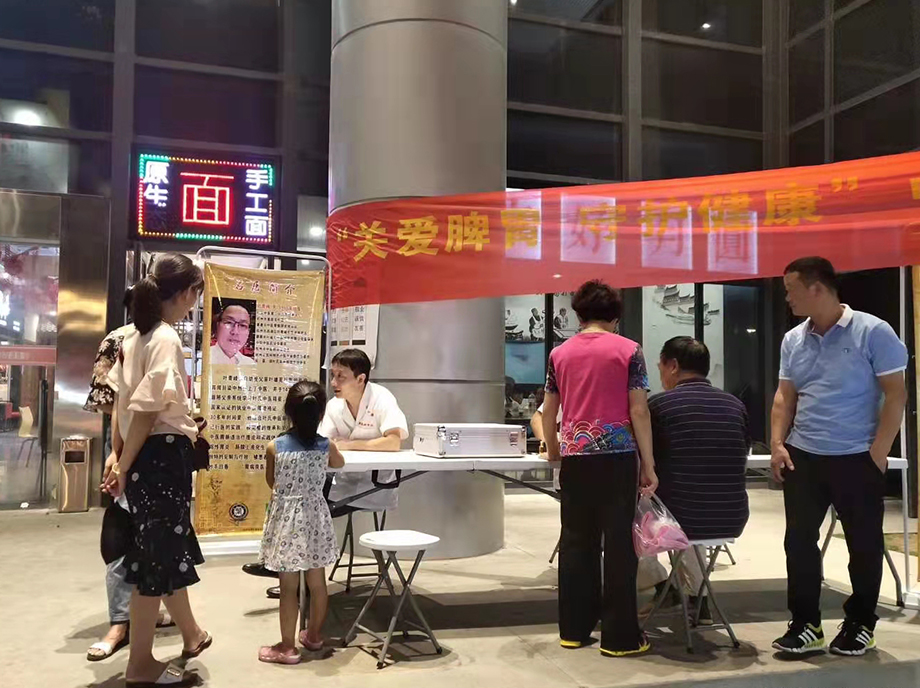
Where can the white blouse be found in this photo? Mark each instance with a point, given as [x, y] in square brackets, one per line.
[150, 378]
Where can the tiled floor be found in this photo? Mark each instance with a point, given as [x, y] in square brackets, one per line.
[495, 616]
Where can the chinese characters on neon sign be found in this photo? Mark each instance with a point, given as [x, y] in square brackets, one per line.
[205, 200]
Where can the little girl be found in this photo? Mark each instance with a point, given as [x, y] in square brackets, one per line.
[298, 534]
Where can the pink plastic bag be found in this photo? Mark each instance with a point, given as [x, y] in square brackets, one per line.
[655, 530]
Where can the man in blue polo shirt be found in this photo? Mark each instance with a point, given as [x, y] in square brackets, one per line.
[836, 413]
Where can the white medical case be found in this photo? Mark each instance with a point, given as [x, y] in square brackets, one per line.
[455, 440]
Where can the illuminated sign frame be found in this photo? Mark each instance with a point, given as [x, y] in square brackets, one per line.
[208, 203]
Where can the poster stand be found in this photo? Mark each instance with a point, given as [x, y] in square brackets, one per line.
[229, 544]
[205, 251]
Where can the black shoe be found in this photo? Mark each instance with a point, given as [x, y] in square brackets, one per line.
[801, 638]
[853, 640]
[273, 593]
[259, 570]
[705, 614]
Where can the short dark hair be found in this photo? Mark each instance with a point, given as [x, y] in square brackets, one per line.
[814, 269]
[356, 361]
[692, 355]
[596, 301]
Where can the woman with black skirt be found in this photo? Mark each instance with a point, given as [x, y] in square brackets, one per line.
[152, 435]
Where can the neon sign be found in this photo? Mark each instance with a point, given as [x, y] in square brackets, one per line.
[198, 199]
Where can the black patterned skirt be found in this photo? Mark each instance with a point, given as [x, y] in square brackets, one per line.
[159, 491]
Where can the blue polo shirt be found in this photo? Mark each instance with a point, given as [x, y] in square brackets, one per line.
[836, 377]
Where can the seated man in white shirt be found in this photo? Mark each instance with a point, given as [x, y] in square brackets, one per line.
[233, 325]
[363, 416]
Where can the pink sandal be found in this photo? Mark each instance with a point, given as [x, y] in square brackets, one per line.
[309, 644]
[273, 655]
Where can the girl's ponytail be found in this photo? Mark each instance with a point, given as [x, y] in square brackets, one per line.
[146, 304]
[305, 406]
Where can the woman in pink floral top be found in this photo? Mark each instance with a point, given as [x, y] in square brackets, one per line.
[601, 382]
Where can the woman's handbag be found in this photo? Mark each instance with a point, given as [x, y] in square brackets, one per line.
[201, 451]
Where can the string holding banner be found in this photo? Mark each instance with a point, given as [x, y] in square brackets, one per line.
[860, 214]
[261, 334]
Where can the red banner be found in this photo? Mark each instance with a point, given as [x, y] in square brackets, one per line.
[861, 215]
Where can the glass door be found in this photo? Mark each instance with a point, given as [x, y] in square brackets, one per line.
[28, 344]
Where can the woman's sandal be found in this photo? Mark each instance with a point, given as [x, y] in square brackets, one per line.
[105, 649]
[201, 647]
[172, 676]
[270, 654]
[310, 645]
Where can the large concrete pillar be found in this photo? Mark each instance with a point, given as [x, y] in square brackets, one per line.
[418, 96]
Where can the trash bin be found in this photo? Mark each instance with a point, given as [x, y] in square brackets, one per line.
[73, 493]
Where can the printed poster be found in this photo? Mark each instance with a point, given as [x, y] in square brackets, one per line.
[355, 328]
[261, 334]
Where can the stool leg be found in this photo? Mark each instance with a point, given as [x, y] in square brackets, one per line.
[712, 599]
[669, 583]
[350, 534]
[407, 582]
[552, 557]
[352, 632]
[899, 595]
[731, 557]
[393, 619]
[338, 561]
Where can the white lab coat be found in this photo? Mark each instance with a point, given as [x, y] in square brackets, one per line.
[218, 357]
[378, 413]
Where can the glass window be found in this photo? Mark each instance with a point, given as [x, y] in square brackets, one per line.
[51, 91]
[884, 125]
[525, 356]
[806, 146]
[731, 330]
[574, 69]
[689, 84]
[187, 105]
[806, 78]
[55, 165]
[875, 44]
[89, 25]
[232, 33]
[804, 13]
[563, 145]
[729, 21]
[668, 154]
[591, 11]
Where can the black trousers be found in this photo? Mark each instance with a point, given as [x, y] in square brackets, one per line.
[855, 487]
[598, 506]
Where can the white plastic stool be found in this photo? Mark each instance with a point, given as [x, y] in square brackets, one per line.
[697, 549]
[393, 542]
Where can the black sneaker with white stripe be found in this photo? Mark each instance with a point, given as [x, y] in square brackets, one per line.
[800, 639]
[853, 640]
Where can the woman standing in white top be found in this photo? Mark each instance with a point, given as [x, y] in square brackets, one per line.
[152, 436]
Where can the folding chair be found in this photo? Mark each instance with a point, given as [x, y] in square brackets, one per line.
[348, 539]
[696, 549]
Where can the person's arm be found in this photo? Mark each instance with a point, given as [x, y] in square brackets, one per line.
[784, 403]
[270, 465]
[536, 424]
[641, 421]
[889, 421]
[138, 432]
[550, 435]
[118, 443]
[390, 442]
[336, 460]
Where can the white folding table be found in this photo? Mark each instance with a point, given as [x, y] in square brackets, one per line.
[411, 465]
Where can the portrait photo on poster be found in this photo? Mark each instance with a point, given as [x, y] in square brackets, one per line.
[233, 331]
